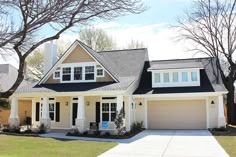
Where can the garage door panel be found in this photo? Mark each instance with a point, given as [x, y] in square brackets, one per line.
[176, 114]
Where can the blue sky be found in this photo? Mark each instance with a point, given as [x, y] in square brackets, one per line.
[160, 11]
[150, 27]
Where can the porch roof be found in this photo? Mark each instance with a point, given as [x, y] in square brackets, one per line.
[124, 83]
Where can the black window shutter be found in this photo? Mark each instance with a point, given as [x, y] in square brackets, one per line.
[57, 111]
[98, 112]
[37, 111]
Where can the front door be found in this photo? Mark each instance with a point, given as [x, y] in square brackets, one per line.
[74, 113]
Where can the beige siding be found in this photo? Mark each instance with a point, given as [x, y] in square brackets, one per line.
[78, 55]
[90, 110]
[139, 110]
[177, 114]
[51, 80]
[106, 78]
[64, 113]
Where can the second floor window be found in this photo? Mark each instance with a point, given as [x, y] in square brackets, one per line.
[166, 77]
[184, 76]
[66, 73]
[78, 73]
[89, 73]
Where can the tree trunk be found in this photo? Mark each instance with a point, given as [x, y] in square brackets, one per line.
[231, 108]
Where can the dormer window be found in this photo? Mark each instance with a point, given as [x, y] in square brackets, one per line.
[66, 73]
[176, 78]
[194, 76]
[89, 73]
[184, 77]
[78, 73]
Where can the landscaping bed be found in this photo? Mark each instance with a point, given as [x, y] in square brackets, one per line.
[126, 135]
[135, 129]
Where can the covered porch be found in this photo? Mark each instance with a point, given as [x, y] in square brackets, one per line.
[71, 111]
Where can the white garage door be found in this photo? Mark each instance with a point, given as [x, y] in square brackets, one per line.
[176, 114]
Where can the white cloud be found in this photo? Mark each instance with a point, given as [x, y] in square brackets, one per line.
[159, 39]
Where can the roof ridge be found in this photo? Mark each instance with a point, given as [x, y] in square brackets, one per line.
[180, 59]
[121, 50]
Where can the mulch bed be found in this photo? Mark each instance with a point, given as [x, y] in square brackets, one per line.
[126, 136]
[230, 131]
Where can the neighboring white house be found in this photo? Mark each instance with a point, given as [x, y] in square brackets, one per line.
[85, 86]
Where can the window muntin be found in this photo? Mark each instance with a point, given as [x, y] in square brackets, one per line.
[89, 73]
[194, 76]
[184, 76]
[109, 111]
[66, 73]
[166, 77]
[175, 77]
[157, 77]
[78, 73]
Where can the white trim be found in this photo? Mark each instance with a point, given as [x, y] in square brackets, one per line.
[207, 113]
[65, 55]
[185, 95]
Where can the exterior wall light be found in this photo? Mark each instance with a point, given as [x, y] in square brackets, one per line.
[87, 103]
[212, 102]
[140, 104]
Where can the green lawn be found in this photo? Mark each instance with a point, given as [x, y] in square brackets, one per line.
[19, 146]
[228, 141]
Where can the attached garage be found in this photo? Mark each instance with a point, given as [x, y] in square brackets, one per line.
[176, 114]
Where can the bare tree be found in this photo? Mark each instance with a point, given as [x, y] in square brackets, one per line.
[23, 22]
[211, 24]
[134, 44]
[97, 39]
[35, 65]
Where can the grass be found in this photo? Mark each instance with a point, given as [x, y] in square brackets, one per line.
[227, 140]
[19, 146]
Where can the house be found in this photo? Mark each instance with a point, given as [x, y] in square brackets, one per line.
[8, 74]
[85, 86]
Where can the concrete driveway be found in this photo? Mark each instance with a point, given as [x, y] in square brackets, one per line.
[169, 143]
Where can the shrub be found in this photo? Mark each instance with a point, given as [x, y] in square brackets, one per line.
[42, 128]
[222, 129]
[136, 127]
[28, 131]
[14, 129]
[85, 133]
[119, 121]
[107, 134]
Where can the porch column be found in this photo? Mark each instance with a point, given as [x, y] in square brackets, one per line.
[130, 112]
[145, 113]
[80, 120]
[45, 119]
[119, 103]
[14, 118]
[221, 117]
